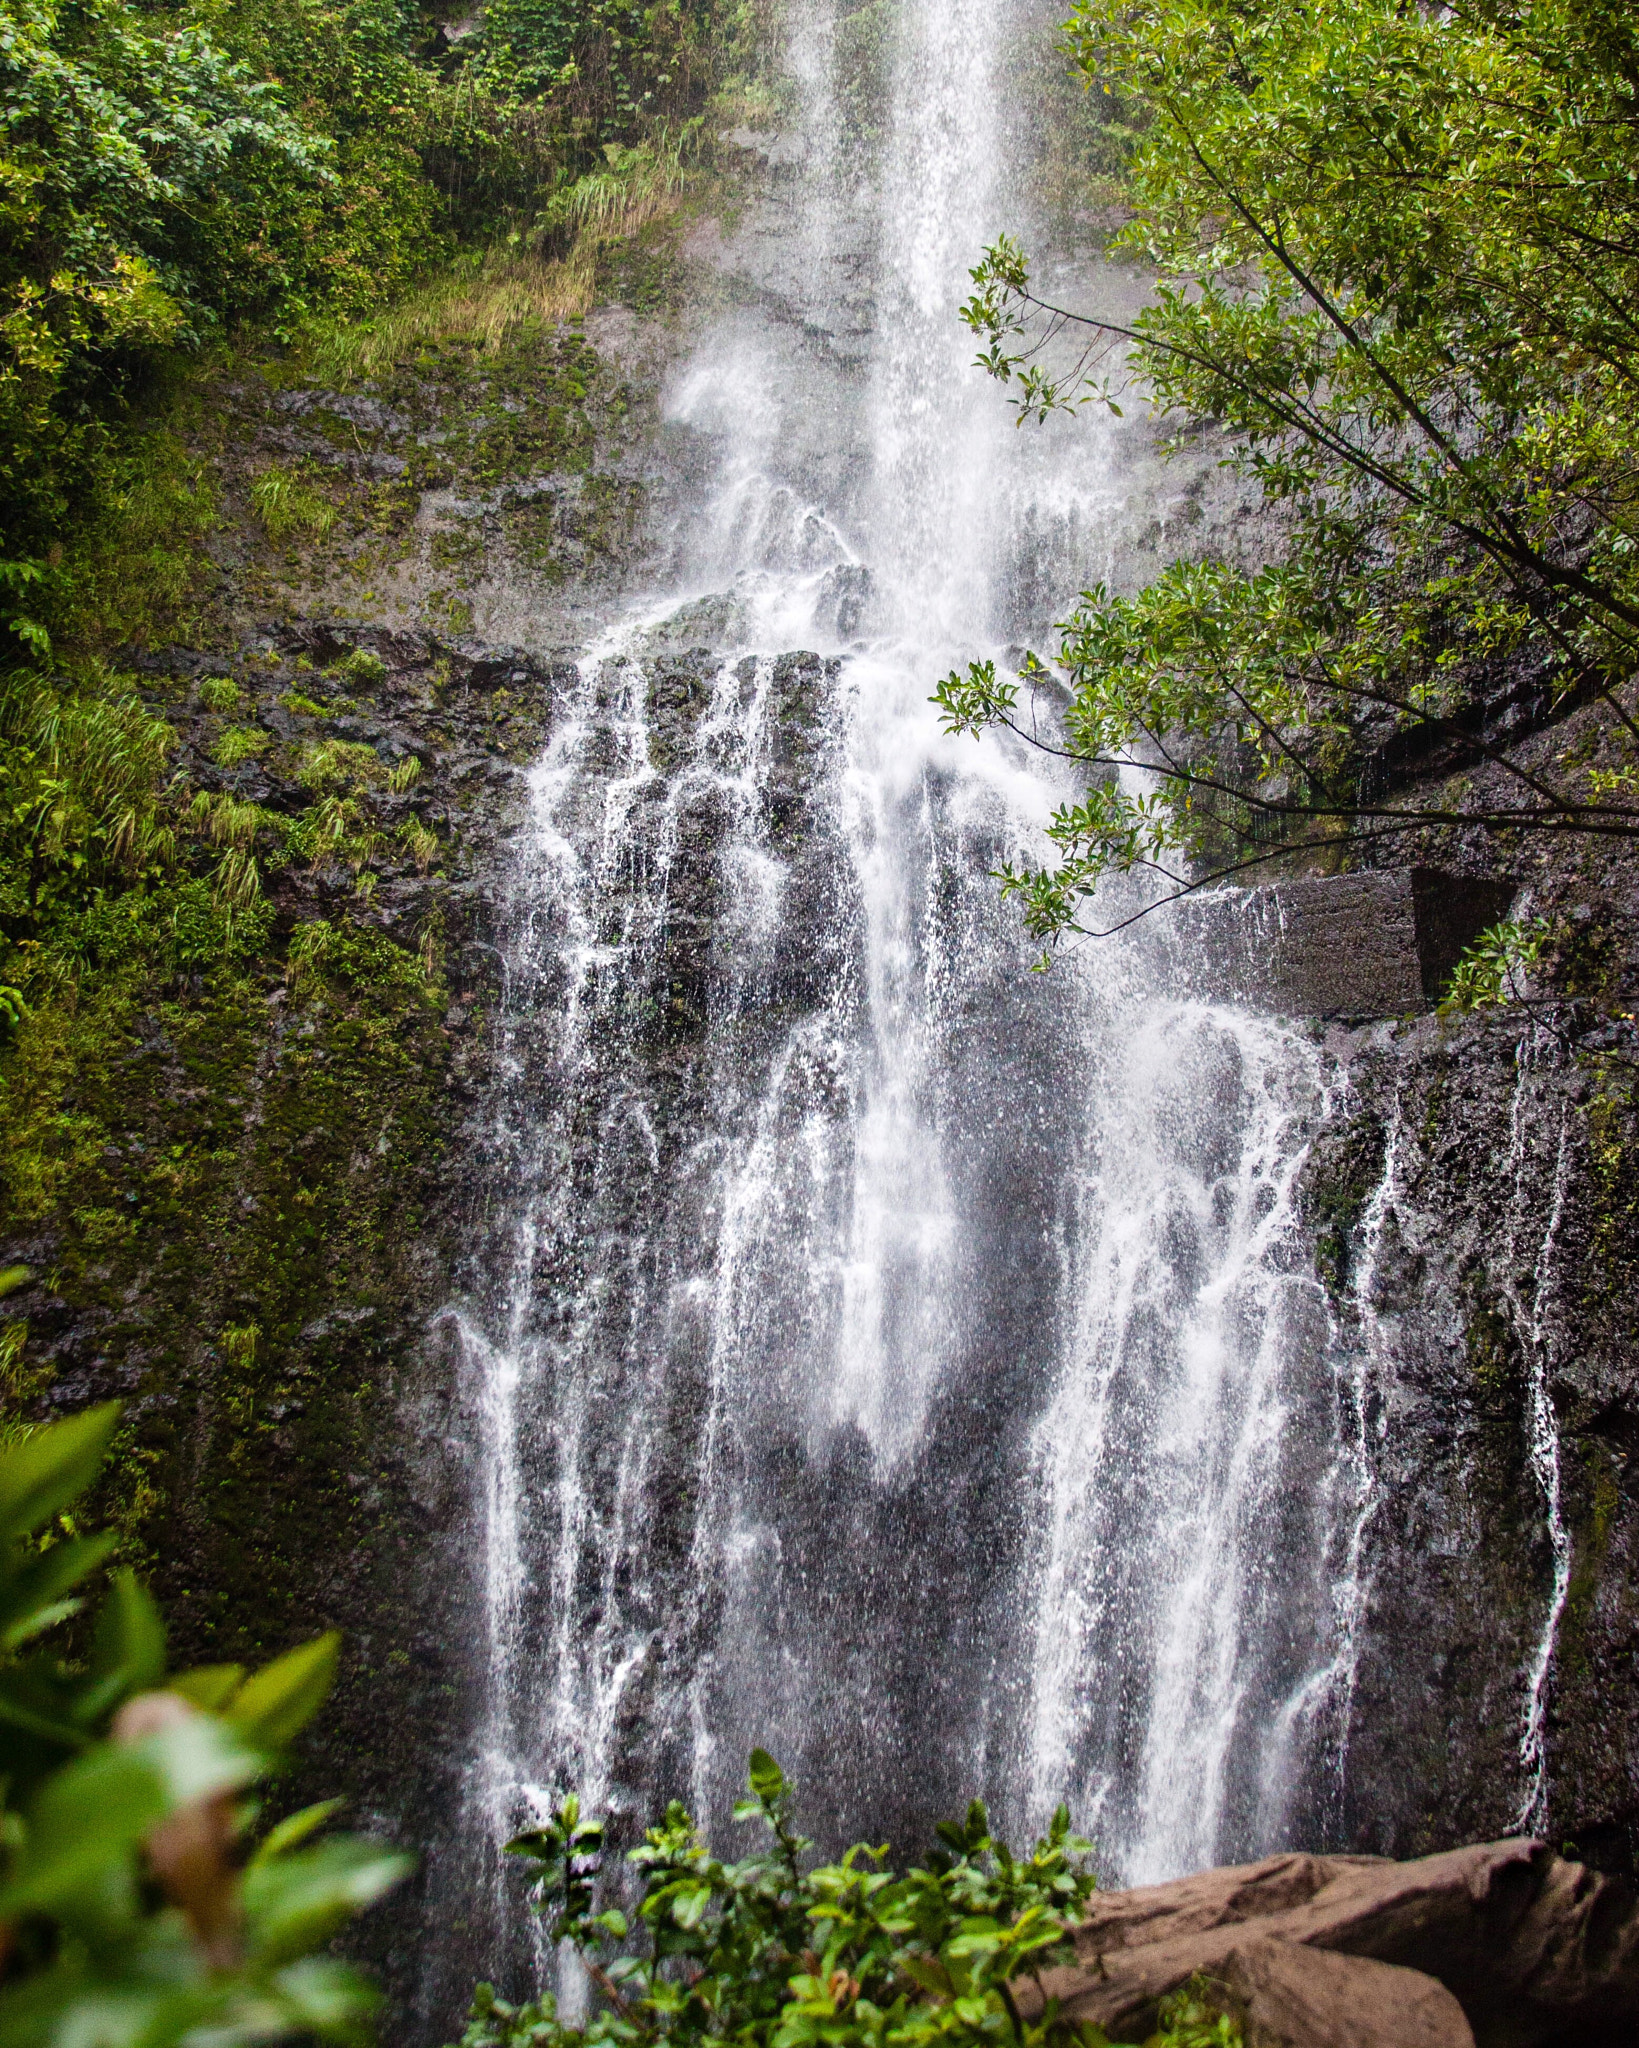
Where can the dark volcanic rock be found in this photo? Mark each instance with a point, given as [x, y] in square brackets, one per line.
[1471, 1201]
[1376, 943]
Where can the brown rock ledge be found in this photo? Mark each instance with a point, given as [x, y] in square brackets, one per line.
[1503, 1945]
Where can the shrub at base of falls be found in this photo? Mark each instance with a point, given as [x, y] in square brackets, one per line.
[133, 1907]
[774, 1950]
[1399, 261]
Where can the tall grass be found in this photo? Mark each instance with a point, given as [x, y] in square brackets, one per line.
[482, 303]
[487, 299]
[286, 505]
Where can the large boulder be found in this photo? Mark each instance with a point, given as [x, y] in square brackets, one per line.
[1504, 1945]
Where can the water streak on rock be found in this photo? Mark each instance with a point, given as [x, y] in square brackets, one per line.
[1542, 1428]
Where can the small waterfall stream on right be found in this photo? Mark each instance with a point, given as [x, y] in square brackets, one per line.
[892, 1355]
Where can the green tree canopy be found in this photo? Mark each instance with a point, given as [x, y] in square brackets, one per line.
[1398, 256]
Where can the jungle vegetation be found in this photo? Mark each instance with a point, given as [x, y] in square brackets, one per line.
[306, 188]
[1398, 258]
[177, 181]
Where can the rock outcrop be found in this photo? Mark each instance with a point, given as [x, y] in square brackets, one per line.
[1374, 943]
[1503, 1945]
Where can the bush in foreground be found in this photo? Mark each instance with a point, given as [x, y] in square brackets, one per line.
[774, 1951]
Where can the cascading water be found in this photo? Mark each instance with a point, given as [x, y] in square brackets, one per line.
[1542, 1424]
[896, 1358]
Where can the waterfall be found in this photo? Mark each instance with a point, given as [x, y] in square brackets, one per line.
[893, 1356]
[1541, 1422]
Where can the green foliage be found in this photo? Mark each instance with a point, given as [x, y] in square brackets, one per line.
[1496, 967]
[1399, 258]
[140, 163]
[364, 669]
[77, 793]
[219, 693]
[1194, 2018]
[174, 173]
[240, 743]
[776, 1950]
[127, 1917]
[767, 1950]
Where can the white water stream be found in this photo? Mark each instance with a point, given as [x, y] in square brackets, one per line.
[897, 1358]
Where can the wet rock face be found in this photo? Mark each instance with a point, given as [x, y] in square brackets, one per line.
[1472, 1205]
[1377, 943]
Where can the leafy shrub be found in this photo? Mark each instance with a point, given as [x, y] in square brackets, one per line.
[77, 786]
[1496, 967]
[129, 1917]
[767, 1951]
[139, 160]
[419, 842]
[209, 929]
[310, 946]
[341, 764]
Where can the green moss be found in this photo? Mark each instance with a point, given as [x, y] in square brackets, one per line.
[1339, 1184]
[1614, 1157]
[1601, 1492]
[212, 1169]
[1493, 1355]
[1433, 1104]
[240, 743]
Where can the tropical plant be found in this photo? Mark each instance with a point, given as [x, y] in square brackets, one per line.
[1399, 270]
[134, 1908]
[778, 1950]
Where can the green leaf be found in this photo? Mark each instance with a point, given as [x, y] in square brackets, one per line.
[42, 1584]
[21, 1713]
[543, 1844]
[41, 1475]
[326, 1996]
[276, 1703]
[87, 1816]
[210, 1686]
[295, 1829]
[295, 1902]
[690, 1904]
[768, 1782]
[39, 1587]
[130, 1638]
[929, 1973]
